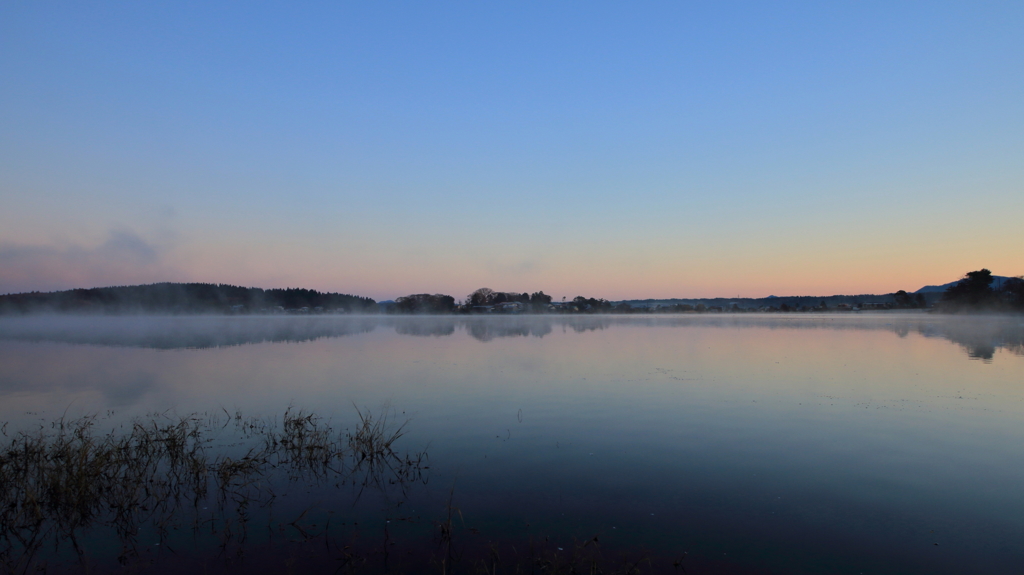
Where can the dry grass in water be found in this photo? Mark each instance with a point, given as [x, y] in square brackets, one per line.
[60, 481]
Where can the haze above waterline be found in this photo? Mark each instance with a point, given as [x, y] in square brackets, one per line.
[600, 150]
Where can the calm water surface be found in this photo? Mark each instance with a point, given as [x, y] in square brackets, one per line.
[887, 443]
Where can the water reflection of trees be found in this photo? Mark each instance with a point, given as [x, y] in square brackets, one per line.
[979, 336]
[196, 332]
[425, 328]
[490, 328]
[66, 486]
[582, 325]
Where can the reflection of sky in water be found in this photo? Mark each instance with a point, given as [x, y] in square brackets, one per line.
[814, 443]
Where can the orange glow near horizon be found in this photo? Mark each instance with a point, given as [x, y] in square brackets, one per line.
[611, 276]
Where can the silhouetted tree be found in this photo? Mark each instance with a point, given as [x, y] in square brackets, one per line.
[481, 296]
[591, 305]
[1012, 294]
[902, 299]
[974, 291]
[539, 300]
[424, 303]
[489, 297]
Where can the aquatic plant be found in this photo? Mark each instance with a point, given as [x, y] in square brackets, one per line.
[65, 480]
[210, 487]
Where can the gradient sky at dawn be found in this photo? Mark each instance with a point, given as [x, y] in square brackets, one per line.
[608, 150]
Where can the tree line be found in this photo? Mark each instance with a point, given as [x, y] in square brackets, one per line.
[185, 298]
[974, 292]
[486, 300]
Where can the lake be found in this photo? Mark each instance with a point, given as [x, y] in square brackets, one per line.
[779, 443]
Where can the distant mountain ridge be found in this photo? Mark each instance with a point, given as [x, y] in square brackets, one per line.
[793, 302]
[931, 293]
[997, 282]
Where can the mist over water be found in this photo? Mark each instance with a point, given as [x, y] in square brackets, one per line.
[979, 335]
[881, 443]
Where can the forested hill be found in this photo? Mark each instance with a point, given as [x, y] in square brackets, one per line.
[183, 298]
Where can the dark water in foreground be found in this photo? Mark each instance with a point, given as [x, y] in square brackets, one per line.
[888, 443]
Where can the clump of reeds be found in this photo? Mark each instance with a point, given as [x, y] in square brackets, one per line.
[374, 457]
[62, 483]
[59, 480]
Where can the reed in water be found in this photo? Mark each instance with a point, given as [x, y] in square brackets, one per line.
[63, 482]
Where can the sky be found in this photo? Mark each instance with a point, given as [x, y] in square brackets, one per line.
[616, 150]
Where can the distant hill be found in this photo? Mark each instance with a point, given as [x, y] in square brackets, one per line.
[997, 282]
[183, 298]
[931, 293]
[773, 301]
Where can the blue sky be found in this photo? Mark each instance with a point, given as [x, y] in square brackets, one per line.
[609, 150]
